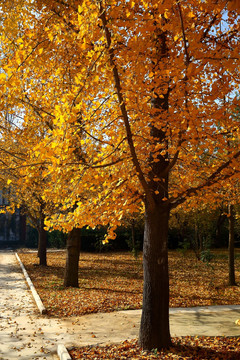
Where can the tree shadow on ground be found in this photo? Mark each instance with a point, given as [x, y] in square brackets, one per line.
[203, 353]
[206, 347]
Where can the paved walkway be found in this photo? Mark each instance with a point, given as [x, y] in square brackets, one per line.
[26, 335]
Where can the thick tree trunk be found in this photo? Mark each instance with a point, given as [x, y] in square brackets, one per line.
[231, 267]
[154, 329]
[42, 243]
[73, 252]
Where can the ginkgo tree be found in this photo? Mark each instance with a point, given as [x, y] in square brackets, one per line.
[22, 180]
[24, 190]
[141, 91]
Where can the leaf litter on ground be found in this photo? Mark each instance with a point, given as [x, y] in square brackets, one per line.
[183, 348]
[113, 281]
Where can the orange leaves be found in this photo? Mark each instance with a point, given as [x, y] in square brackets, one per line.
[111, 282]
[2, 77]
[60, 78]
[104, 277]
[107, 283]
[182, 348]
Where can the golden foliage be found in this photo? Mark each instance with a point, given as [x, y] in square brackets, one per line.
[91, 81]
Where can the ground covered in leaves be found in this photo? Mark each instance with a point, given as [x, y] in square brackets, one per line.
[184, 348]
[113, 281]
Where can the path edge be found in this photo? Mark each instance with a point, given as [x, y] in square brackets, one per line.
[36, 297]
[63, 353]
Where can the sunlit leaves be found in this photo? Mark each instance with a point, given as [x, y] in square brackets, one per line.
[59, 75]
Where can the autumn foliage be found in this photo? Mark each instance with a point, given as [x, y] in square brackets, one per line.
[130, 105]
[71, 106]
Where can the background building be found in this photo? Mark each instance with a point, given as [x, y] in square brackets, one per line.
[12, 226]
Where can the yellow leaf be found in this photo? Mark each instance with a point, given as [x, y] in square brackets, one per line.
[128, 13]
[19, 41]
[50, 36]
[2, 76]
[80, 9]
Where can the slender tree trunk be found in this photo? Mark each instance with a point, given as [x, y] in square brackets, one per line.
[220, 222]
[197, 241]
[134, 250]
[154, 329]
[42, 242]
[133, 235]
[73, 252]
[23, 229]
[231, 268]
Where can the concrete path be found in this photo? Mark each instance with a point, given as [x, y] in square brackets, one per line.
[26, 335]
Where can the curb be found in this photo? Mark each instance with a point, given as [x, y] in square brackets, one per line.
[203, 309]
[37, 299]
[63, 353]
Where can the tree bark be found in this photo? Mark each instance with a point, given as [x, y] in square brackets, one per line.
[23, 229]
[42, 242]
[73, 252]
[134, 249]
[154, 329]
[231, 267]
[220, 222]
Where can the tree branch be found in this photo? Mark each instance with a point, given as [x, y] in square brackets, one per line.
[211, 180]
[123, 109]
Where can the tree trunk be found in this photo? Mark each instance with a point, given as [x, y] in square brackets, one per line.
[220, 222]
[42, 242]
[23, 229]
[73, 252]
[154, 329]
[133, 235]
[231, 269]
[134, 248]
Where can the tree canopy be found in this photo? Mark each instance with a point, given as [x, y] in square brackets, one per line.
[134, 101]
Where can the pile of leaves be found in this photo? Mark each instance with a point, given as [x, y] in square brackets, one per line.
[114, 281]
[183, 348]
